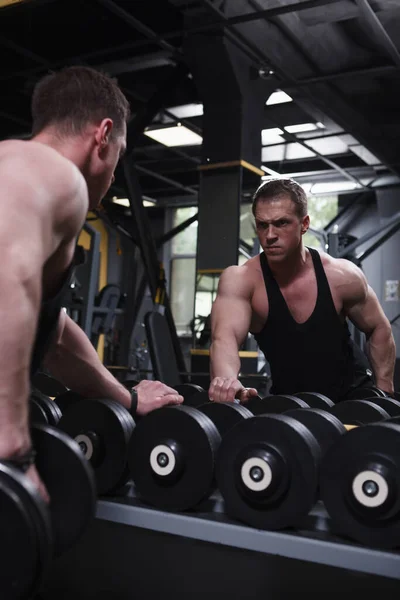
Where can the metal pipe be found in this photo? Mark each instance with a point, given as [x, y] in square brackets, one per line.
[380, 241]
[178, 229]
[172, 182]
[394, 220]
[351, 204]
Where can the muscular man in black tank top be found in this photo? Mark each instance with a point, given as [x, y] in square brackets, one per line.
[297, 302]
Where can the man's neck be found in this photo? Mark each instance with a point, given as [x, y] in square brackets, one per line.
[71, 147]
[292, 267]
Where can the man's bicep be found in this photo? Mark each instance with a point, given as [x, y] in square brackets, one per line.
[230, 317]
[367, 313]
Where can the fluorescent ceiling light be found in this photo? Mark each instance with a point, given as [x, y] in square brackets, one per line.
[271, 136]
[291, 151]
[278, 97]
[301, 127]
[365, 155]
[121, 201]
[333, 186]
[306, 186]
[125, 201]
[329, 145]
[175, 135]
[186, 111]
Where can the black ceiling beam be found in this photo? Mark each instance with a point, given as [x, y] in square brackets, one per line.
[290, 136]
[78, 59]
[149, 149]
[43, 62]
[153, 105]
[267, 13]
[380, 33]
[171, 182]
[367, 72]
[140, 27]
[336, 100]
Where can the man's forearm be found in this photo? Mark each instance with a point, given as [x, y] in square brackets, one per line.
[76, 364]
[381, 352]
[224, 359]
[18, 307]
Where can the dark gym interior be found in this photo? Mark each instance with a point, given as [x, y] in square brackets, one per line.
[224, 94]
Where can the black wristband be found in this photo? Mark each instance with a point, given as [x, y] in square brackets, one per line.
[134, 403]
[23, 462]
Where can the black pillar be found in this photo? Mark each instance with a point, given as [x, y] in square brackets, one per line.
[233, 119]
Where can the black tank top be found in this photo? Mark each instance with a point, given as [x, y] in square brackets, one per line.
[315, 356]
[49, 315]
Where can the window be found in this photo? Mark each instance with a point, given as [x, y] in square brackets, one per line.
[321, 210]
[183, 270]
[183, 275]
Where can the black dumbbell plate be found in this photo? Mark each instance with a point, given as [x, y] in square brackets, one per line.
[326, 428]
[70, 483]
[267, 471]
[26, 538]
[360, 485]
[276, 404]
[172, 455]
[315, 400]
[358, 412]
[43, 409]
[103, 429]
[225, 415]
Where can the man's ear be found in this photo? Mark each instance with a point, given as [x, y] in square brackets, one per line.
[305, 224]
[103, 133]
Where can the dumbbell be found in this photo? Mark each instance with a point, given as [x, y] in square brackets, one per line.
[363, 412]
[33, 532]
[43, 409]
[363, 393]
[171, 457]
[275, 403]
[360, 484]
[48, 385]
[281, 403]
[67, 399]
[267, 467]
[193, 395]
[227, 414]
[102, 428]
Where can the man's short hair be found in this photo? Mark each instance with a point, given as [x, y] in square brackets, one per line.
[272, 188]
[75, 96]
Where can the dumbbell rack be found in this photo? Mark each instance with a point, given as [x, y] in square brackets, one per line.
[135, 551]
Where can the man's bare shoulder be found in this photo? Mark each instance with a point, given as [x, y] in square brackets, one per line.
[37, 181]
[344, 275]
[38, 161]
[240, 279]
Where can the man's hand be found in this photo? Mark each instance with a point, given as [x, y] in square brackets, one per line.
[226, 389]
[154, 394]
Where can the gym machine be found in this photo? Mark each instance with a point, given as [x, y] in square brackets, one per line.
[94, 311]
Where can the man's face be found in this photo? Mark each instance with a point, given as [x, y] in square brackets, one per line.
[278, 227]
